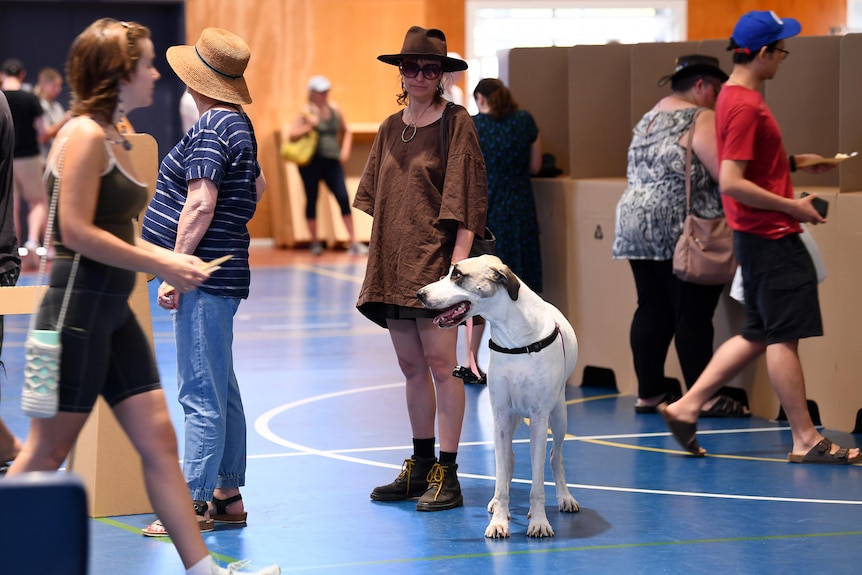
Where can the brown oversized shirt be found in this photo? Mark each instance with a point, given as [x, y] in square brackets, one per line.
[417, 208]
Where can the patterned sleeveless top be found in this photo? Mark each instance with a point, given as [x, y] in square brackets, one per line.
[651, 211]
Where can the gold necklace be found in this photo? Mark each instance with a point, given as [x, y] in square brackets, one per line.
[404, 137]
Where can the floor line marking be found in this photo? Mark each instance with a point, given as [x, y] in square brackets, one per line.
[582, 548]
[329, 273]
[137, 531]
[261, 426]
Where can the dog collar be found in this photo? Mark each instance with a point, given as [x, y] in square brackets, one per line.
[532, 348]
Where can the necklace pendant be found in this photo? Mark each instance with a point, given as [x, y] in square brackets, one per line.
[404, 137]
[127, 144]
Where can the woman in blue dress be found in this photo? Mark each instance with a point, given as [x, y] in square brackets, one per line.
[512, 149]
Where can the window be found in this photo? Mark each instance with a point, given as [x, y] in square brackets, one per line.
[495, 26]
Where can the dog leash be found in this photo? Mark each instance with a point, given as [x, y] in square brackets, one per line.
[533, 347]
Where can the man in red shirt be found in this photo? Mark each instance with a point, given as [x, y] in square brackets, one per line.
[780, 283]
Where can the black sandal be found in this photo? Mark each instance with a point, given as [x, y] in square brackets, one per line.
[222, 516]
[466, 374]
[726, 407]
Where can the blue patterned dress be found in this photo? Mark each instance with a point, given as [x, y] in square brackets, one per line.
[511, 208]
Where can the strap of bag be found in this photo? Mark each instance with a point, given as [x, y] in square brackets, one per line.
[444, 136]
[43, 261]
[444, 152]
[688, 153]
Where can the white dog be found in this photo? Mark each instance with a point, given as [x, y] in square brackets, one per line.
[533, 352]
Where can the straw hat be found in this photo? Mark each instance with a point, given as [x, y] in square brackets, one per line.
[420, 43]
[214, 66]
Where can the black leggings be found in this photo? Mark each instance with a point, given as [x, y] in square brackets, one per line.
[332, 173]
[669, 307]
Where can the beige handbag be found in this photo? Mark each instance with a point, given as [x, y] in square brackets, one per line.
[704, 252]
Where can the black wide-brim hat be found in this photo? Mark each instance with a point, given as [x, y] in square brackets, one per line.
[430, 44]
[694, 64]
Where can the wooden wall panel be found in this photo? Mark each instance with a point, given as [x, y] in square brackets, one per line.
[709, 19]
[292, 40]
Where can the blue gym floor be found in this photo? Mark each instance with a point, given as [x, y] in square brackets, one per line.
[327, 422]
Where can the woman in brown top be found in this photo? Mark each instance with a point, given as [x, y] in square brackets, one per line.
[428, 195]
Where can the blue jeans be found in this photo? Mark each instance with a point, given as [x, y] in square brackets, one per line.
[215, 430]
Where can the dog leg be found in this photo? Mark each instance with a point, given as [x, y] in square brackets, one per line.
[558, 419]
[539, 525]
[505, 424]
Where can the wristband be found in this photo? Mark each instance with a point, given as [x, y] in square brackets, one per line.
[792, 160]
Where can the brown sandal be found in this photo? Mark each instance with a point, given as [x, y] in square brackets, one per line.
[685, 433]
[222, 516]
[157, 528]
[820, 453]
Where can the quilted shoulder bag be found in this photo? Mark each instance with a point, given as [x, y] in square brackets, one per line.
[704, 251]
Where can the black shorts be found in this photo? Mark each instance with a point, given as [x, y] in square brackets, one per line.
[104, 350]
[780, 284]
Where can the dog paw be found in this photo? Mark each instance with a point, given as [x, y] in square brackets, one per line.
[497, 530]
[494, 505]
[569, 504]
[540, 529]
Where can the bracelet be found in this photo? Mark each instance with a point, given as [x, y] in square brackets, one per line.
[792, 160]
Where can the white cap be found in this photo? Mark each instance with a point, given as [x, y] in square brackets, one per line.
[319, 84]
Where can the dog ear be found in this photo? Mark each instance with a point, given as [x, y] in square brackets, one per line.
[505, 276]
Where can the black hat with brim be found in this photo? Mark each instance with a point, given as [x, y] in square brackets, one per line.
[694, 65]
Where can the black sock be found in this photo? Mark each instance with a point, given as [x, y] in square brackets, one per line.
[423, 448]
[447, 458]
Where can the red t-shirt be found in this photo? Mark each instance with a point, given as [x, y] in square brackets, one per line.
[747, 131]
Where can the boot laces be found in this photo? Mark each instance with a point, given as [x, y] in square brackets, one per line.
[436, 477]
[406, 471]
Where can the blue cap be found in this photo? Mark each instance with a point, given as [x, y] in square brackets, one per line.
[763, 27]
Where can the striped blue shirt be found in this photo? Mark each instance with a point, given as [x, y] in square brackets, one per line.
[220, 147]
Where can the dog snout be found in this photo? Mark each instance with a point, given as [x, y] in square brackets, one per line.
[421, 295]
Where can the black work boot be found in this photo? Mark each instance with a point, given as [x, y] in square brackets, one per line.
[444, 491]
[410, 483]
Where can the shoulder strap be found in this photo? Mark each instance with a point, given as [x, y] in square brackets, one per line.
[49, 230]
[444, 135]
[688, 153]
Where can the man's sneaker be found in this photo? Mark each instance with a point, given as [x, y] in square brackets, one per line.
[410, 483]
[444, 491]
[316, 248]
[357, 249]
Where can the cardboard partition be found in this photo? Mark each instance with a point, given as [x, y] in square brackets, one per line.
[649, 63]
[551, 197]
[819, 355]
[850, 112]
[20, 299]
[804, 97]
[841, 395]
[600, 92]
[601, 296]
[539, 83]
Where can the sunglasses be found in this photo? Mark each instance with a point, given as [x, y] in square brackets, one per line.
[430, 71]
